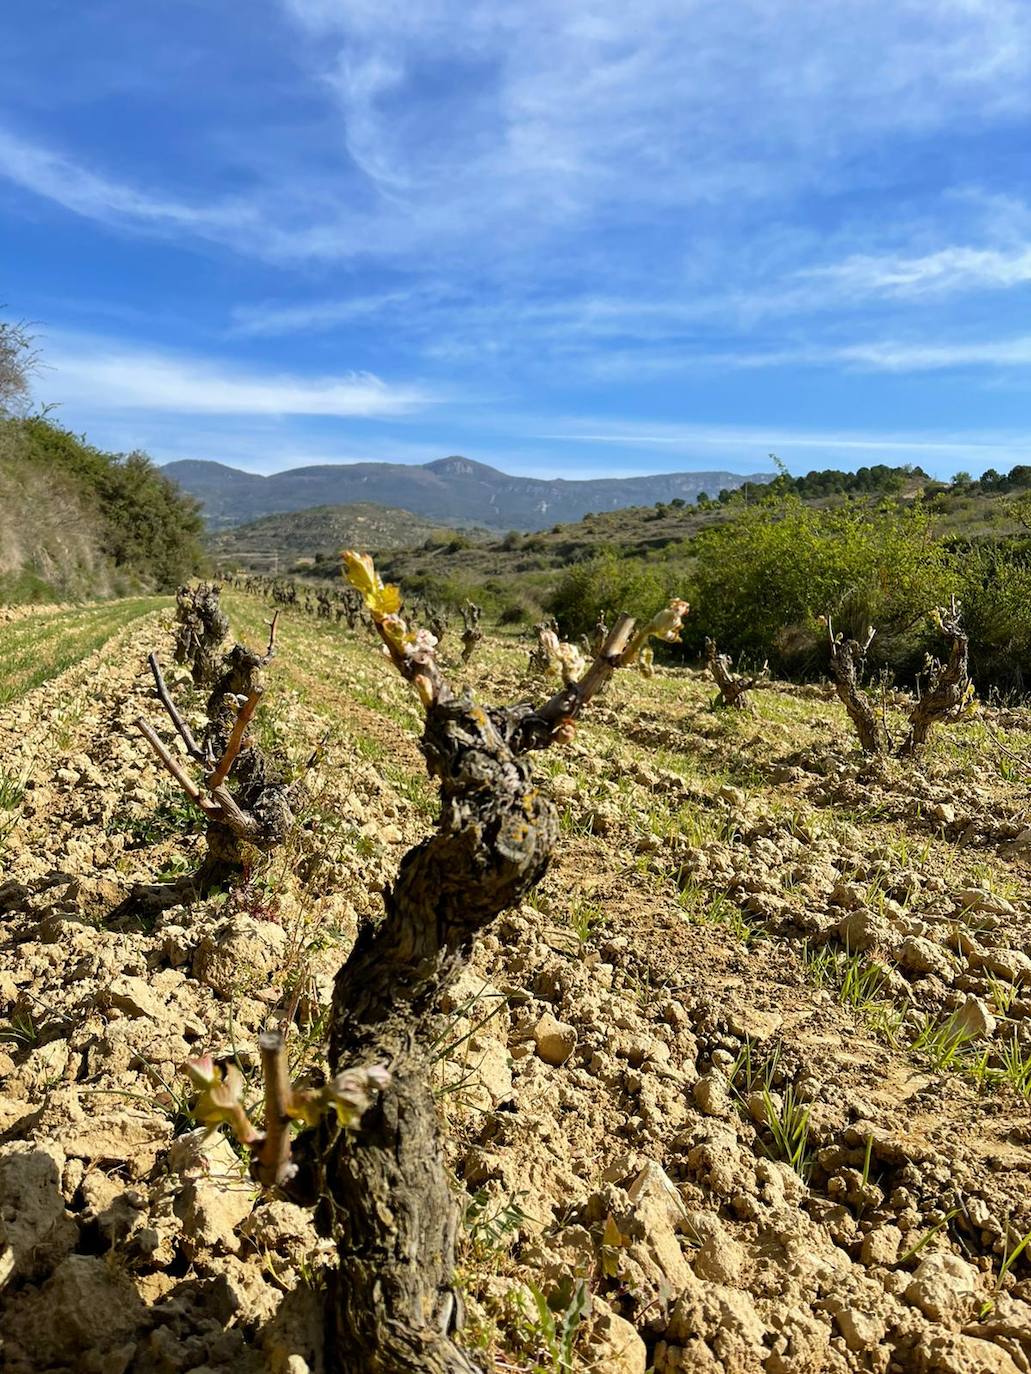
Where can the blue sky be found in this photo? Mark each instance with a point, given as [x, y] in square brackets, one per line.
[566, 237]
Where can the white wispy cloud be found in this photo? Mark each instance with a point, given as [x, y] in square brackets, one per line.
[100, 374]
[947, 271]
[59, 178]
[272, 318]
[755, 442]
[482, 131]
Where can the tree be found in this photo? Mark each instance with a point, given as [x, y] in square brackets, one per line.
[733, 690]
[201, 627]
[247, 799]
[17, 361]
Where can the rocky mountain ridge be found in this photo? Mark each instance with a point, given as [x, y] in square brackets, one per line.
[453, 490]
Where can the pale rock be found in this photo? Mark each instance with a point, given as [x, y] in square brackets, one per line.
[614, 1345]
[35, 1229]
[653, 1181]
[120, 1137]
[862, 929]
[240, 953]
[1012, 964]
[980, 899]
[754, 1022]
[944, 1287]
[712, 1094]
[490, 1073]
[653, 1245]
[861, 1330]
[881, 1246]
[925, 957]
[719, 1257]
[847, 895]
[134, 997]
[212, 1210]
[554, 1040]
[84, 1317]
[949, 1352]
[44, 1066]
[973, 1019]
[603, 819]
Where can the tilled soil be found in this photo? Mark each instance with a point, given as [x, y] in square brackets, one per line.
[744, 1079]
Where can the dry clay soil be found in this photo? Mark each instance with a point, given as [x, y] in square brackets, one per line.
[669, 1096]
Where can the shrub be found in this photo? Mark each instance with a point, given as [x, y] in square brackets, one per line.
[147, 525]
[605, 585]
[760, 583]
[995, 589]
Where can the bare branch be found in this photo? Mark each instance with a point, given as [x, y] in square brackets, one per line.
[192, 747]
[270, 1164]
[176, 769]
[228, 758]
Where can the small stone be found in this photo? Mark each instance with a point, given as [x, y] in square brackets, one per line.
[555, 1041]
[653, 1181]
[881, 1246]
[980, 899]
[974, 1019]
[861, 1330]
[614, 1345]
[944, 1287]
[134, 997]
[712, 1094]
[925, 957]
[862, 929]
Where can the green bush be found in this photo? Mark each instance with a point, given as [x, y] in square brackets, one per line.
[995, 590]
[760, 583]
[607, 585]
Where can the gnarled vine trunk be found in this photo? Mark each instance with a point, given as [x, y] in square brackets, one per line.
[390, 1205]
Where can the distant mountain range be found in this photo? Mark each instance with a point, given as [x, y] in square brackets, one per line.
[455, 491]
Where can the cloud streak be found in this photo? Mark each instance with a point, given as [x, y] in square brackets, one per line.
[99, 374]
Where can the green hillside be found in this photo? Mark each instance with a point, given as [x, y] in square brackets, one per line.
[279, 541]
[76, 522]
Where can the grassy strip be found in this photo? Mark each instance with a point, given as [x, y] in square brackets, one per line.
[37, 648]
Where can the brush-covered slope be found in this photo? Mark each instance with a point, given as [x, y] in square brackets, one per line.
[77, 522]
[320, 534]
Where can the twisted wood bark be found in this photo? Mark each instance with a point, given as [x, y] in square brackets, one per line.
[392, 1209]
[948, 690]
[201, 627]
[733, 690]
[848, 657]
[386, 1197]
